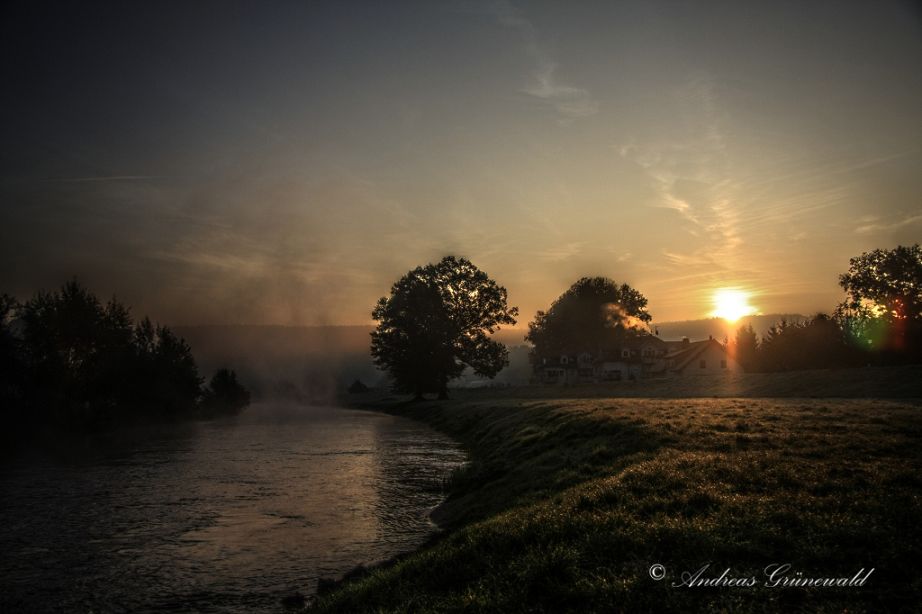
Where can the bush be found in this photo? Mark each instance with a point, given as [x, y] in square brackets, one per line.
[225, 394]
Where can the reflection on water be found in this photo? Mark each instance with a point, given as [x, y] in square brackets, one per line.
[223, 516]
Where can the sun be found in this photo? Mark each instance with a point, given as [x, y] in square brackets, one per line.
[731, 304]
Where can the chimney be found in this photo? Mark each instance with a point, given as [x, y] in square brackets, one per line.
[684, 340]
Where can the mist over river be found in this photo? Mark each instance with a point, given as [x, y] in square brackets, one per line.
[224, 516]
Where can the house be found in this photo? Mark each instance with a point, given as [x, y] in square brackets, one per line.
[568, 369]
[708, 357]
[641, 357]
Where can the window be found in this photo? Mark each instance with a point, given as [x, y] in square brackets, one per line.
[702, 364]
[564, 360]
[723, 364]
[625, 353]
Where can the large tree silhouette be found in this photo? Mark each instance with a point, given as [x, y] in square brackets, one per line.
[79, 353]
[595, 314]
[436, 322]
[883, 306]
[888, 279]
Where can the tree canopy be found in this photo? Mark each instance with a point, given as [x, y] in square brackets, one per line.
[888, 281]
[436, 322]
[69, 360]
[594, 314]
[882, 310]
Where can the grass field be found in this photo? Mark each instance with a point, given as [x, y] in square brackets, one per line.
[865, 382]
[567, 503]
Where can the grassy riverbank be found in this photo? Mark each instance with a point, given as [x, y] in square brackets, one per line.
[567, 503]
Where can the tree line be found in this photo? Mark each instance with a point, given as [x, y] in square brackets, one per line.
[68, 360]
[818, 343]
[878, 323]
[438, 320]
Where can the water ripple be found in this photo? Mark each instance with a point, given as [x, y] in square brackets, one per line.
[228, 516]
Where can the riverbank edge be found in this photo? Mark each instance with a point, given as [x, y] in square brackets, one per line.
[444, 522]
[477, 428]
[453, 513]
[432, 414]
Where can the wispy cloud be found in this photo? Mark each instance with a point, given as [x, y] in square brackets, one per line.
[881, 227]
[691, 174]
[559, 253]
[108, 178]
[568, 101]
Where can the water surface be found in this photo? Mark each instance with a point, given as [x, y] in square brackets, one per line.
[225, 516]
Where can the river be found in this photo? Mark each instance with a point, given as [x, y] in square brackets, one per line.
[230, 515]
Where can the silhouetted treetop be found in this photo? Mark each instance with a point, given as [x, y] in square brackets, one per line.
[594, 313]
[882, 311]
[225, 393]
[70, 360]
[436, 322]
[818, 343]
[745, 348]
[890, 279]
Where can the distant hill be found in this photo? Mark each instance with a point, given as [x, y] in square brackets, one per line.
[511, 336]
[720, 328]
[310, 362]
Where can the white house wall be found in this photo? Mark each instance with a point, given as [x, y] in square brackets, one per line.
[711, 356]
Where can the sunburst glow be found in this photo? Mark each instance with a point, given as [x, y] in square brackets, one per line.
[731, 304]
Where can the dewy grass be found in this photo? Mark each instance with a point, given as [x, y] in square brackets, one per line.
[567, 504]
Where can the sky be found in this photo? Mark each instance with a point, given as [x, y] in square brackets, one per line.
[286, 162]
